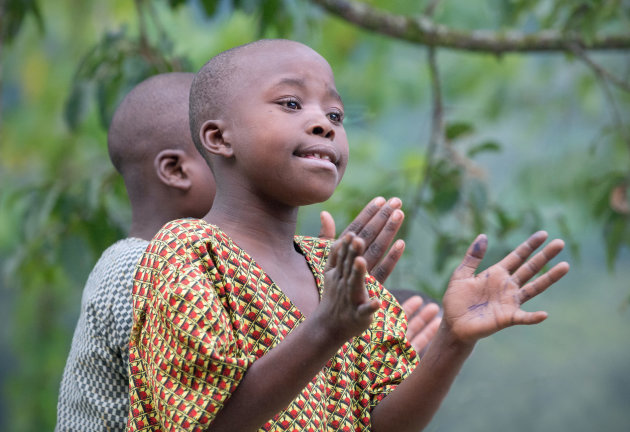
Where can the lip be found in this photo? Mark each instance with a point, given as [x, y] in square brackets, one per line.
[319, 152]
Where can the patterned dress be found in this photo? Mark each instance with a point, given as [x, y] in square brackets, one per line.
[204, 311]
[94, 393]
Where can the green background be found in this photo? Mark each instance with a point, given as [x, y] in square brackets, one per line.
[532, 143]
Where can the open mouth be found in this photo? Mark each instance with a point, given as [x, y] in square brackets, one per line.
[316, 156]
[323, 154]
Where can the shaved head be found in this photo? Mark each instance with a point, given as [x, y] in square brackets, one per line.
[210, 93]
[151, 118]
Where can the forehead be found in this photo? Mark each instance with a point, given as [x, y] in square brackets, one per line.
[285, 63]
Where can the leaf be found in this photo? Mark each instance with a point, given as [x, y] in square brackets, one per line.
[506, 223]
[446, 184]
[478, 194]
[208, 6]
[174, 4]
[484, 147]
[14, 12]
[74, 111]
[458, 130]
[567, 235]
[478, 199]
[445, 247]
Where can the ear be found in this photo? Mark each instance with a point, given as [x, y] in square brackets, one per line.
[213, 139]
[169, 167]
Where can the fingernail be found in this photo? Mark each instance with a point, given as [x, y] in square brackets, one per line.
[395, 202]
[379, 201]
[397, 216]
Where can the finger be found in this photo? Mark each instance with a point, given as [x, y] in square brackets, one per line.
[374, 226]
[356, 282]
[411, 306]
[338, 250]
[543, 282]
[376, 247]
[327, 230]
[518, 256]
[528, 318]
[368, 212]
[354, 250]
[369, 307]
[422, 339]
[420, 320]
[382, 270]
[474, 255]
[429, 312]
[534, 265]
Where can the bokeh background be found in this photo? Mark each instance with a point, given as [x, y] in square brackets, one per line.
[472, 141]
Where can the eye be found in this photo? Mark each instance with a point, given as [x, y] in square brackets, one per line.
[290, 103]
[335, 116]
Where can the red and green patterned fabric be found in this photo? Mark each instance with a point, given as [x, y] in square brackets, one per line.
[204, 311]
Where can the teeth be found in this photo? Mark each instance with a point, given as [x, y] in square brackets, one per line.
[318, 156]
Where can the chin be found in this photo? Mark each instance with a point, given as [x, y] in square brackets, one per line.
[313, 197]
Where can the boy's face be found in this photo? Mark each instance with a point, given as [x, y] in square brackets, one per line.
[285, 125]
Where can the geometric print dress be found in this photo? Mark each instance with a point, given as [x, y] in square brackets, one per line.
[204, 311]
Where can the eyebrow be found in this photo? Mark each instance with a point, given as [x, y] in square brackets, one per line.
[299, 82]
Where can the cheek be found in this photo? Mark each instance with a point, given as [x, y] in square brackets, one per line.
[344, 153]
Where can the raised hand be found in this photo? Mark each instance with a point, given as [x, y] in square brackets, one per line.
[476, 306]
[376, 224]
[346, 308]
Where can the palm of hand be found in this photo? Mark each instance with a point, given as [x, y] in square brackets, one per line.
[345, 306]
[476, 306]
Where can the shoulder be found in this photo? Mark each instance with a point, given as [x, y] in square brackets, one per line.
[184, 229]
[183, 246]
[114, 268]
[177, 238]
[122, 253]
[314, 246]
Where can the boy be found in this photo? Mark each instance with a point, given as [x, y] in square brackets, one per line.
[166, 178]
[310, 342]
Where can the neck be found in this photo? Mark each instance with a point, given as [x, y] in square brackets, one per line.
[151, 212]
[144, 224]
[257, 225]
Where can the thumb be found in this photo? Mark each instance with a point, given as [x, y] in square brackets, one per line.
[475, 253]
[327, 231]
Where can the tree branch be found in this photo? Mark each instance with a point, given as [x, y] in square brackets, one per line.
[436, 138]
[422, 30]
[3, 4]
[599, 70]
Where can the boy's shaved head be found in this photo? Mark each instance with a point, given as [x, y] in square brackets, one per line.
[144, 123]
[212, 87]
[149, 143]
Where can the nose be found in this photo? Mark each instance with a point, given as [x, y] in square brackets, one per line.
[322, 128]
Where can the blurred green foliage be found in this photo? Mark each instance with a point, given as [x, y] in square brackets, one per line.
[530, 142]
